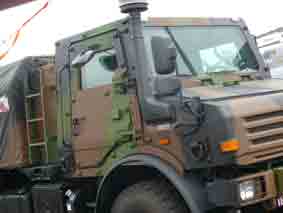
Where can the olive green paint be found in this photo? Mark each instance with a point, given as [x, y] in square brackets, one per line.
[278, 173]
[219, 79]
[120, 122]
[101, 39]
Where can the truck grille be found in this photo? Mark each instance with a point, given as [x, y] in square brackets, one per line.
[265, 128]
[262, 138]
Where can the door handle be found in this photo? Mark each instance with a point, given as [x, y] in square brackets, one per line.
[77, 124]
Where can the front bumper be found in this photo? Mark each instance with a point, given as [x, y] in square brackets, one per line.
[226, 193]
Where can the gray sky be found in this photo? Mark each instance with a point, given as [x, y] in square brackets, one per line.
[66, 17]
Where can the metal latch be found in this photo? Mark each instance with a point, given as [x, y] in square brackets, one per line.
[76, 125]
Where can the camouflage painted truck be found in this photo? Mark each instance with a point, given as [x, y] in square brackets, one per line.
[169, 115]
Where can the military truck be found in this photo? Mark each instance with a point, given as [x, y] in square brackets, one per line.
[168, 115]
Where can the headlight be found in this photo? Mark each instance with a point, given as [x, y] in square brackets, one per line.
[247, 190]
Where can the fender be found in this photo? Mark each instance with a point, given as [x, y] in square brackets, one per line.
[189, 187]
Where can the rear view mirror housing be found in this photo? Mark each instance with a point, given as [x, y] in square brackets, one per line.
[164, 54]
[109, 62]
[165, 86]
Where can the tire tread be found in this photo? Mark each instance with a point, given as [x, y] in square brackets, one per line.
[161, 191]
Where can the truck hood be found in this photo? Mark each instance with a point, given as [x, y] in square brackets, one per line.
[244, 89]
[251, 112]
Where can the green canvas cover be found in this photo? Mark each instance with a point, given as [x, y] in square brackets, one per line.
[16, 81]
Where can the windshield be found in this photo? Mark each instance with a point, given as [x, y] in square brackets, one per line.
[205, 49]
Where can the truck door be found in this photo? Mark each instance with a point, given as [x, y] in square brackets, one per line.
[92, 107]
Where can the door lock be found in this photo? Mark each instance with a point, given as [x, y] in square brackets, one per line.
[76, 125]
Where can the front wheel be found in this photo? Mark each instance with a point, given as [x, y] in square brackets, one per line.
[149, 197]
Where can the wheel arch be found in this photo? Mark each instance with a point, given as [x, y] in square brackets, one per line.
[146, 166]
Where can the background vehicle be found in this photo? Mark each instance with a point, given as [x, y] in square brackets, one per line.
[150, 117]
[271, 47]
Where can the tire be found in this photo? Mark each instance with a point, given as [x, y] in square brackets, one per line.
[149, 197]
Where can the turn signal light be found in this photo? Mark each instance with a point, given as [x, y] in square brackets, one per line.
[230, 146]
[164, 141]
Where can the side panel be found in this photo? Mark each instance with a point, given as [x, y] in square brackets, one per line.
[50, 110]
[16, 152]
[91, 113]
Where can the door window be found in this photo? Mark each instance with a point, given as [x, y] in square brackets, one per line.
[94, 74]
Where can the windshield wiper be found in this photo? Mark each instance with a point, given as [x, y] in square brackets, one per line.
[181, 51]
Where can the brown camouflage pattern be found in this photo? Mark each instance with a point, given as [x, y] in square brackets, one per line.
[257, 119]
[90, 136]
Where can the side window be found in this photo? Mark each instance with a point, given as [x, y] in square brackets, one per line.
[94, 74]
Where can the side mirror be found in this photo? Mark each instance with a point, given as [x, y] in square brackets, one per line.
[83, 58]
[164, 54]
[109, 62]
[166, 86]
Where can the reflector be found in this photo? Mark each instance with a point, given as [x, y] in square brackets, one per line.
[164, 141]
[230, 146]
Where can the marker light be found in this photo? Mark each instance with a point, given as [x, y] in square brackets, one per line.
[230, 146]
[164, 141]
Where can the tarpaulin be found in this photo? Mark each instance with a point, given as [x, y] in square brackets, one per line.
[16, 81]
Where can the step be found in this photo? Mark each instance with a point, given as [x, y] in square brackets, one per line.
[91, 205]
[33, 95]
[37, 144]
[35, 120]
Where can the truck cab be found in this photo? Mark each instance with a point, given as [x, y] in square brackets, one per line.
[193, 93]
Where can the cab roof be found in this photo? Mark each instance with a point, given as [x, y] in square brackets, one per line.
[158, 21]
